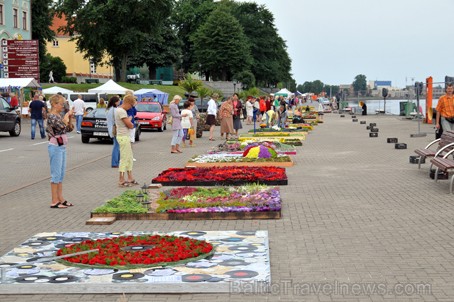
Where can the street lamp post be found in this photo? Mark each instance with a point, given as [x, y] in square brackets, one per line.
[234, 86]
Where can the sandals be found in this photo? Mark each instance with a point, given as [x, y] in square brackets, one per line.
[67, 204]
[124, 184]
[132, 182]
[212, 139]
[58, 205]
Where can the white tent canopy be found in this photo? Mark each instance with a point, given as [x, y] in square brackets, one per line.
[110, 87]
[19, 83]
[55, 90]
[284, 92]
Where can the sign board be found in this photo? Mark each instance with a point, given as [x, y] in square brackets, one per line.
[20, 59]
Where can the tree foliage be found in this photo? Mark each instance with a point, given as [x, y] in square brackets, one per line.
[220, 46]
[118, 27]
[187, 17]
[189, 84]
[271, 62]
[161, 50]
[360, 83]
[54, 64]
[41, 18]
[246, 78]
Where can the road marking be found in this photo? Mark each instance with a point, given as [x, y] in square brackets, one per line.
[7, 150]
[40, 143]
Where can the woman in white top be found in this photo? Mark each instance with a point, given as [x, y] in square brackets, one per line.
[187, 121]
[249, 111]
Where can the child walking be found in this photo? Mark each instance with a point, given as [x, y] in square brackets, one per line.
[187, 122]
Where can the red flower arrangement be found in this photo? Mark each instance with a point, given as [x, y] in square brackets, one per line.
[126, 252]
[221, 175]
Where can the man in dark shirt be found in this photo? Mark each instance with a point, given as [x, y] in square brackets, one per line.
[36, 109]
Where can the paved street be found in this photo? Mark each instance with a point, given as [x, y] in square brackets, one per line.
[355, 212]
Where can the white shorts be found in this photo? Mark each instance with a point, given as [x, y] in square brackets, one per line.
[132, 135]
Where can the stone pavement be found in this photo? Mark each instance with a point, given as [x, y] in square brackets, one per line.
[357, 217]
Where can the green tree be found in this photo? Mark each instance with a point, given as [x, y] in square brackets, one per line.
[360, 84]
[317, 86]
[221, 47]
[246, 78]
[161, 50]
[116, 27]
[41, 18]
[187, 17]
[189, 84]
[271, 62]
[55, 64]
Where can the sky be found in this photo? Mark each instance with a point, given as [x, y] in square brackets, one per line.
[333, 41]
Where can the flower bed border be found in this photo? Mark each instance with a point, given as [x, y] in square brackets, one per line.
[186, 216]
[240, 164]
[222, 183]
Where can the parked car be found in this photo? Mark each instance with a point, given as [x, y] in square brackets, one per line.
[10, 120]
[90, 99]
[202, 105]
[151, 115]
[94, 125]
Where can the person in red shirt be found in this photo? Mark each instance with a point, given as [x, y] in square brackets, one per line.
[268, 104]
[14, 101]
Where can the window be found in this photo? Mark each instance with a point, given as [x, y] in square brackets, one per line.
[55, 43]
[1, 14]
[24, 20]
[15, 18]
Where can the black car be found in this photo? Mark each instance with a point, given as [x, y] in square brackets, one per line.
[94, 125]
[9, 119]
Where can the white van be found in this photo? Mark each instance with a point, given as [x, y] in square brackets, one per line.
[90, 99]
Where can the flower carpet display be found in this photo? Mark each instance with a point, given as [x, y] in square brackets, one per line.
[233, 256]
[221, 176]
[250, 198]
[231, 160]
[128, 252]
[285, 140]
[235, 147]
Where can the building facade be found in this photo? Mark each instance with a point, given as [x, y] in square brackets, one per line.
[76, 65]
[15, 20]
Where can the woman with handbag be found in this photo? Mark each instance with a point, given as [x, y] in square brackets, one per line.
[57, 127]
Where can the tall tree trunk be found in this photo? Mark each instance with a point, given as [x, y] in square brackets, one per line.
[124, 67]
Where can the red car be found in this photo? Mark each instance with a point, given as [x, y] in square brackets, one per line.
[151, 115]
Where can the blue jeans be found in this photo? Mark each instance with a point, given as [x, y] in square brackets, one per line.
[115, 153]
[57, 157]
[41, 127]
[79, 122]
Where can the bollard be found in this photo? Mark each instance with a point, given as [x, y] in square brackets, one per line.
[353, 116]
[342, 115]
[392, 140]
[373, 129]
[362, 122]
[373, 124]
[354, 120]
[367, 127]
[414, 159]
[373, 134]
[400, 146]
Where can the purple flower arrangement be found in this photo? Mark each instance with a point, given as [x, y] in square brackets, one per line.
[252, 198]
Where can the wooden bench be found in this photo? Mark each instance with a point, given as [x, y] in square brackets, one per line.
[445, 144]
[444, 164]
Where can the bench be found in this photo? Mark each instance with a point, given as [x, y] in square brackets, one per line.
[92, 81]
[444, 164]
[445, 144]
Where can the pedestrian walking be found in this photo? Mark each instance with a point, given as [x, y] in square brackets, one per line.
[445, 109]
[79, 111]
[195, 114]
[211, 114]
[187, 122]
[37, 110]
